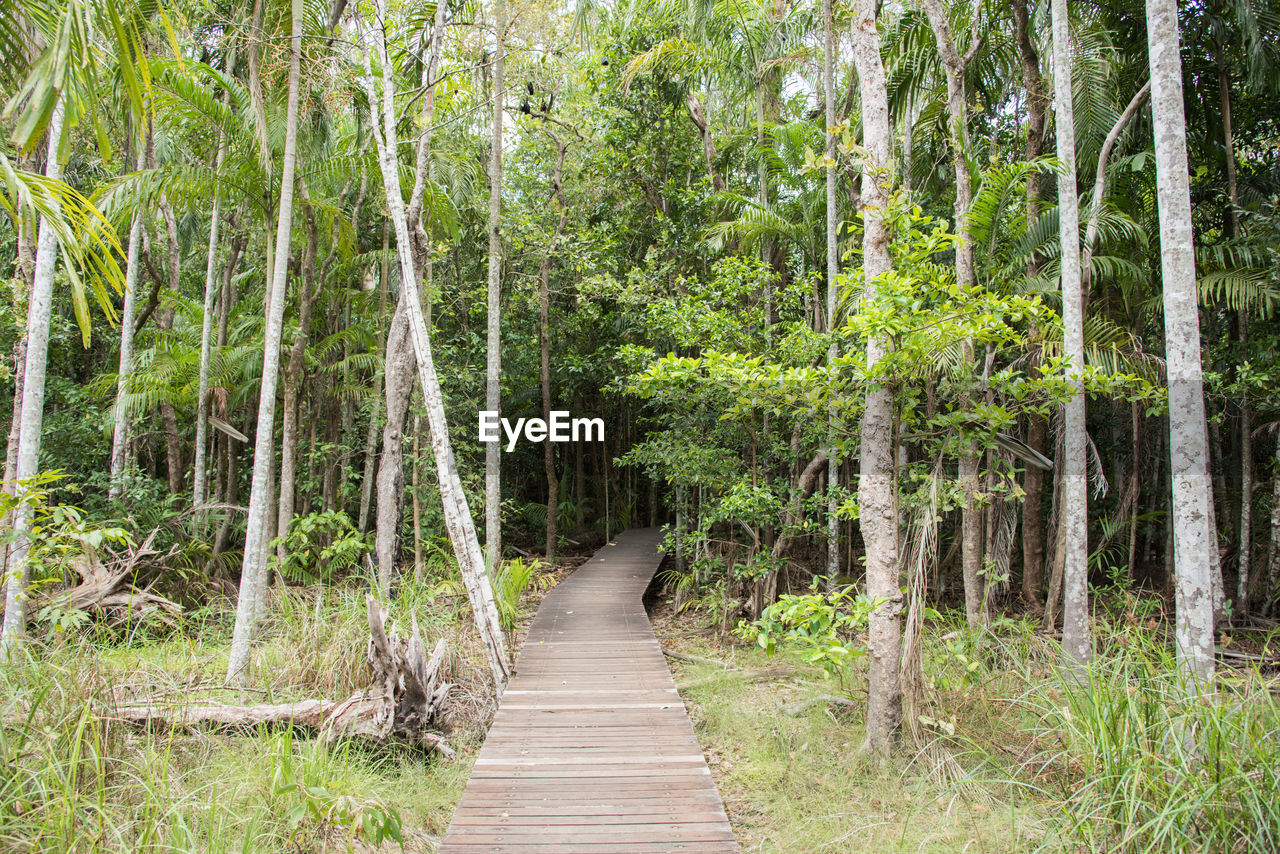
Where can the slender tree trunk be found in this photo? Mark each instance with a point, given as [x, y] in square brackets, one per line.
[873, 220]
[493, 335]
[1037, 438]
[458, 521]
[254, 569]
[954, 65]
[417, 497]
[398, 377]
[877, 496]
[308, 291]
[699, 118]
[120, 435]
[544, 347]
[164, 320]
[1273, 549]
[39, 312]
[1188, 441]
[206, 338]
[1076, 640]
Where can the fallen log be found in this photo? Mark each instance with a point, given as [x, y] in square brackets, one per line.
[107, 590]
[403, 704]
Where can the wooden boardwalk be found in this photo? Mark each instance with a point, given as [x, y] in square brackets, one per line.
[591, 749]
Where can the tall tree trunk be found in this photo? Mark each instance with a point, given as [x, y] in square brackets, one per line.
[458, 521]
[398, 381]
[254, 568]
[308, 291]
[128, 315]
[699, 118]
[1188, 441]
[877, 494]
[544, 348]
[39, 312]
[164, 320]
[1037, 432]
[493, 334]
[1273, 549]
[954, 65]
[206, 337]
[1076, 640]
[873, 220]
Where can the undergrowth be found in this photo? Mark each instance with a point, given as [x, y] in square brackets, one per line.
[74, 779]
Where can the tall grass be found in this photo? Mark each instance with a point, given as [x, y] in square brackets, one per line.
[1140, 761]
[74, 779]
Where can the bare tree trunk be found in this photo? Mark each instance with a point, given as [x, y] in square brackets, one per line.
[458, 521]
[120, 435]
[699, 118]
[254, 569]
[493, 335]
[1188, 441]
[164, 320]
[1273, 549]
[877, 494]
[954, 65]
[308, 291]
[39, 312]
[1037, 439]
[1074, 532]
[398, 381]
[544, 347]
[873, 220]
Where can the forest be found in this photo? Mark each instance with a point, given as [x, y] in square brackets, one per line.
[938, 337]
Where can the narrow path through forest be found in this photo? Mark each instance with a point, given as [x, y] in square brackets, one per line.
[591, 749]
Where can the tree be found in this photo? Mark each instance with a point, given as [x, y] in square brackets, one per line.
[461, 528]
[253, 571]
[493, 324]
[1074, 529]
[33, 379]
[877, 494]
[1188, 440]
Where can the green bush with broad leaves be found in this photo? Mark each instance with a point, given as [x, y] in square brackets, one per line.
[820, 625]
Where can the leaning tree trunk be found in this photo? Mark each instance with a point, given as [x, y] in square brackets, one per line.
[461, 528]
[39, 312]
[493, 338]
[877, 496]
[1074, 529]
[1188, 441]
[254, 568]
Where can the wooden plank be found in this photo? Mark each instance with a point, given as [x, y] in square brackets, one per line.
[591, 749]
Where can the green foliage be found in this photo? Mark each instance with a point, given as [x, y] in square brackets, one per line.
[57, 533]
[308, 801]
[321, 546]
[1155, 765]
[820, 626]
[509, 584]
